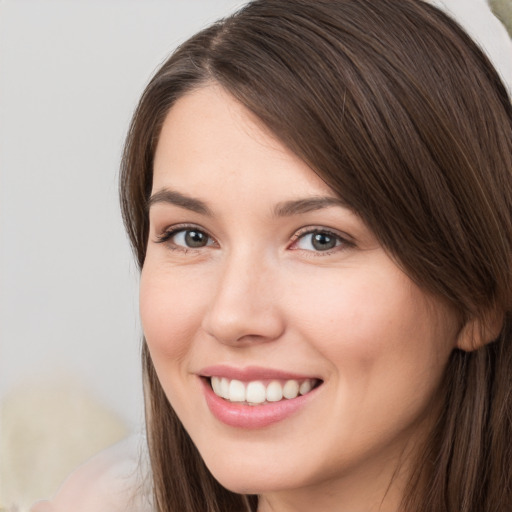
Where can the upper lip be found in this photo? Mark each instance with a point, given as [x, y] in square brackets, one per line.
[250, 373]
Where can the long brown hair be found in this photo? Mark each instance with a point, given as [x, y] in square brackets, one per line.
[395, 108]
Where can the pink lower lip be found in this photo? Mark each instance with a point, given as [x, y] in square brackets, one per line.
[252, 416]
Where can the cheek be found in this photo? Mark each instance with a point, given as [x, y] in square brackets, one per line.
[355, 312]
[374, 325]
[170, 312]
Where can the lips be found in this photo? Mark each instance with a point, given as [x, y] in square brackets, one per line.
[255, 397]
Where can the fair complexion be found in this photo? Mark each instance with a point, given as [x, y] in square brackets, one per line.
[256, 272]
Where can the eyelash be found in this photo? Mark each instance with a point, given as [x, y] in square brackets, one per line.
[166, 237]
[342, 241]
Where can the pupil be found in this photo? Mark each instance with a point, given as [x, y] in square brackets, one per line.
[323, 241]
[195, 239]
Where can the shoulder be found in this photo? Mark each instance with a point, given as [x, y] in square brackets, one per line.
[112, 481]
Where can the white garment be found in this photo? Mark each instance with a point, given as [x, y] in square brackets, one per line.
[116, 480]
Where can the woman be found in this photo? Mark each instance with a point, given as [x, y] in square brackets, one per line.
[319, 197]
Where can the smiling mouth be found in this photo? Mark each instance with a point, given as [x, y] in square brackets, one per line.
[259, 392]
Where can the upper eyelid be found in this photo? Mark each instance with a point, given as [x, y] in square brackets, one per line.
[168, 232]
[323, 229]
[183, 227]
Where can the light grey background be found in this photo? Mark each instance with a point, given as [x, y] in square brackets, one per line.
[71, 73]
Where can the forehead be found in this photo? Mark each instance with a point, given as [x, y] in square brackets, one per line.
[209, 136]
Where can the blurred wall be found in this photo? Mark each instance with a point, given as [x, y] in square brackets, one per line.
[71, 72]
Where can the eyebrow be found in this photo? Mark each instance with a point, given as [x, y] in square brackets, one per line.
[283, 209]
[176, 198]
[298, 206]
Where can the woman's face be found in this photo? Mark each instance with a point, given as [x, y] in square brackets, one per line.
[258, 279]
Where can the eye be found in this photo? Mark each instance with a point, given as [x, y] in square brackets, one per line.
[318, 240]
[192, 238]
[186, 238]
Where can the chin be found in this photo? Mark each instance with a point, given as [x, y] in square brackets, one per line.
[250, 477]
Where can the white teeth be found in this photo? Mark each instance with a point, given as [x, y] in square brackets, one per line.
[291, 389]
[236, 391]
[274, 392]
[224, 388]
[216, 385]
[255, 392]
[305, 387]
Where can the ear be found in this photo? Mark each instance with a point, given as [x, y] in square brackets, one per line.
[480, 331]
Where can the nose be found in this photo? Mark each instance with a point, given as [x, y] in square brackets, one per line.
[244, 308]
